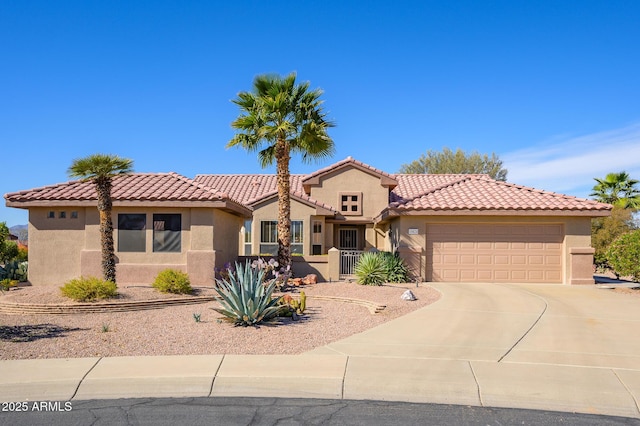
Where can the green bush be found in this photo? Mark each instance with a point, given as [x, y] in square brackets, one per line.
[89, 289]
[371, 269]
[397, 271]
[173, 281]
[624, 255]
[245, 299]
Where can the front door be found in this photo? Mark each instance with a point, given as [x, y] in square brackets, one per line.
[348, 239]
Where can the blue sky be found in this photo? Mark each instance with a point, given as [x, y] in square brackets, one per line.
[552, 87]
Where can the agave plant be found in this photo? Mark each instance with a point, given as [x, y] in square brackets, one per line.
[245, 299]
[371, 269]
[397, 271]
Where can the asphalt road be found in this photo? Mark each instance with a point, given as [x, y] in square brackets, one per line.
[274, 411]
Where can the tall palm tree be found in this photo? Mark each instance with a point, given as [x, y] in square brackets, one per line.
[101, 169]
[279, 118]
[617, 189]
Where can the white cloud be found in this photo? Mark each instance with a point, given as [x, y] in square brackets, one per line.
[568, 165]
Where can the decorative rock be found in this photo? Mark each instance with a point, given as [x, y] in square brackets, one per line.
[311, 279]
[408, 295]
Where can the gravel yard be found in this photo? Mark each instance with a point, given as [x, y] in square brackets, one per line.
[173, 330]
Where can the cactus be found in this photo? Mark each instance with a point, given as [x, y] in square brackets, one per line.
[291, 306]
[16, 271]
[303, 302]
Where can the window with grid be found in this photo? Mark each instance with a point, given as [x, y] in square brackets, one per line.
[351, 203]
[269, 237]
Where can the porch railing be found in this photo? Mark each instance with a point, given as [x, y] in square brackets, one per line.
[348, 261]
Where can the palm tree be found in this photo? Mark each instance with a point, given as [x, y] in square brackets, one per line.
[101, 169]
[617, 189]
[279, 118]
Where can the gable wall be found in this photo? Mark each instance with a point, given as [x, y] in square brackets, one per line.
[375, 196]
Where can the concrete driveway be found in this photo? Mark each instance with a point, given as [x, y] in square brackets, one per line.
[558, 347]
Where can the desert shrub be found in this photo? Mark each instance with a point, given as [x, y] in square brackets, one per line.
[89, 289]
[173, 281]
[7, 283]
[246, 300]
[397, 271]
[624, 255]
[605, 230]
[371, 269]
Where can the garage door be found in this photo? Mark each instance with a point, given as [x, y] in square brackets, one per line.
[494, 253]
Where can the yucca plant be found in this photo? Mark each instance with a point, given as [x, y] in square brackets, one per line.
[397, 271]
[245, 299]
[371, 269]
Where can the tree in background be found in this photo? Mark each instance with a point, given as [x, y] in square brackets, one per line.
[617, 189]
[8, 248]
[458, 162]
[101, 169]
[604, 230]
[279, 118]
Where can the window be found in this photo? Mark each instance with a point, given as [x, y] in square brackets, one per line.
[167, 231]
[247, 237]
[131, 232]
[269, 237]
[316, 239]
[296, 237]
[62, 215]
[51, 215]
[74, 215]
[351, 203]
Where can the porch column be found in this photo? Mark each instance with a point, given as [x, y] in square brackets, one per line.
[333, 266]
[581, 264]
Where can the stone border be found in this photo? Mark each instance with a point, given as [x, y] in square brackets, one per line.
[14, 308]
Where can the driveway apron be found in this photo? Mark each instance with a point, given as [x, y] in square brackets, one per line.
[469, 322]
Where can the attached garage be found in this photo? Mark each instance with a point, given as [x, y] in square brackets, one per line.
[490, 252]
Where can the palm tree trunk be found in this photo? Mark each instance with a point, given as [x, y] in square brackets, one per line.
[103, 187]
[283, 156]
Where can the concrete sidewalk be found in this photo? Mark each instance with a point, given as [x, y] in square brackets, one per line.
[519, 346]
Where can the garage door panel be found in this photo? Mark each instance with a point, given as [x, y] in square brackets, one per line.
[494, 252]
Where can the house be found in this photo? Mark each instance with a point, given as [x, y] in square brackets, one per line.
[447, 227]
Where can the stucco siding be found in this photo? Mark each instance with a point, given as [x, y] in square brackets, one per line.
[268, 210]
[375, 196]
[55, 245]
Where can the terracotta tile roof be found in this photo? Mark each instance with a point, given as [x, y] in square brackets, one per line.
[247, 188]
[251, 189]
[136, 186]
[479, 192]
